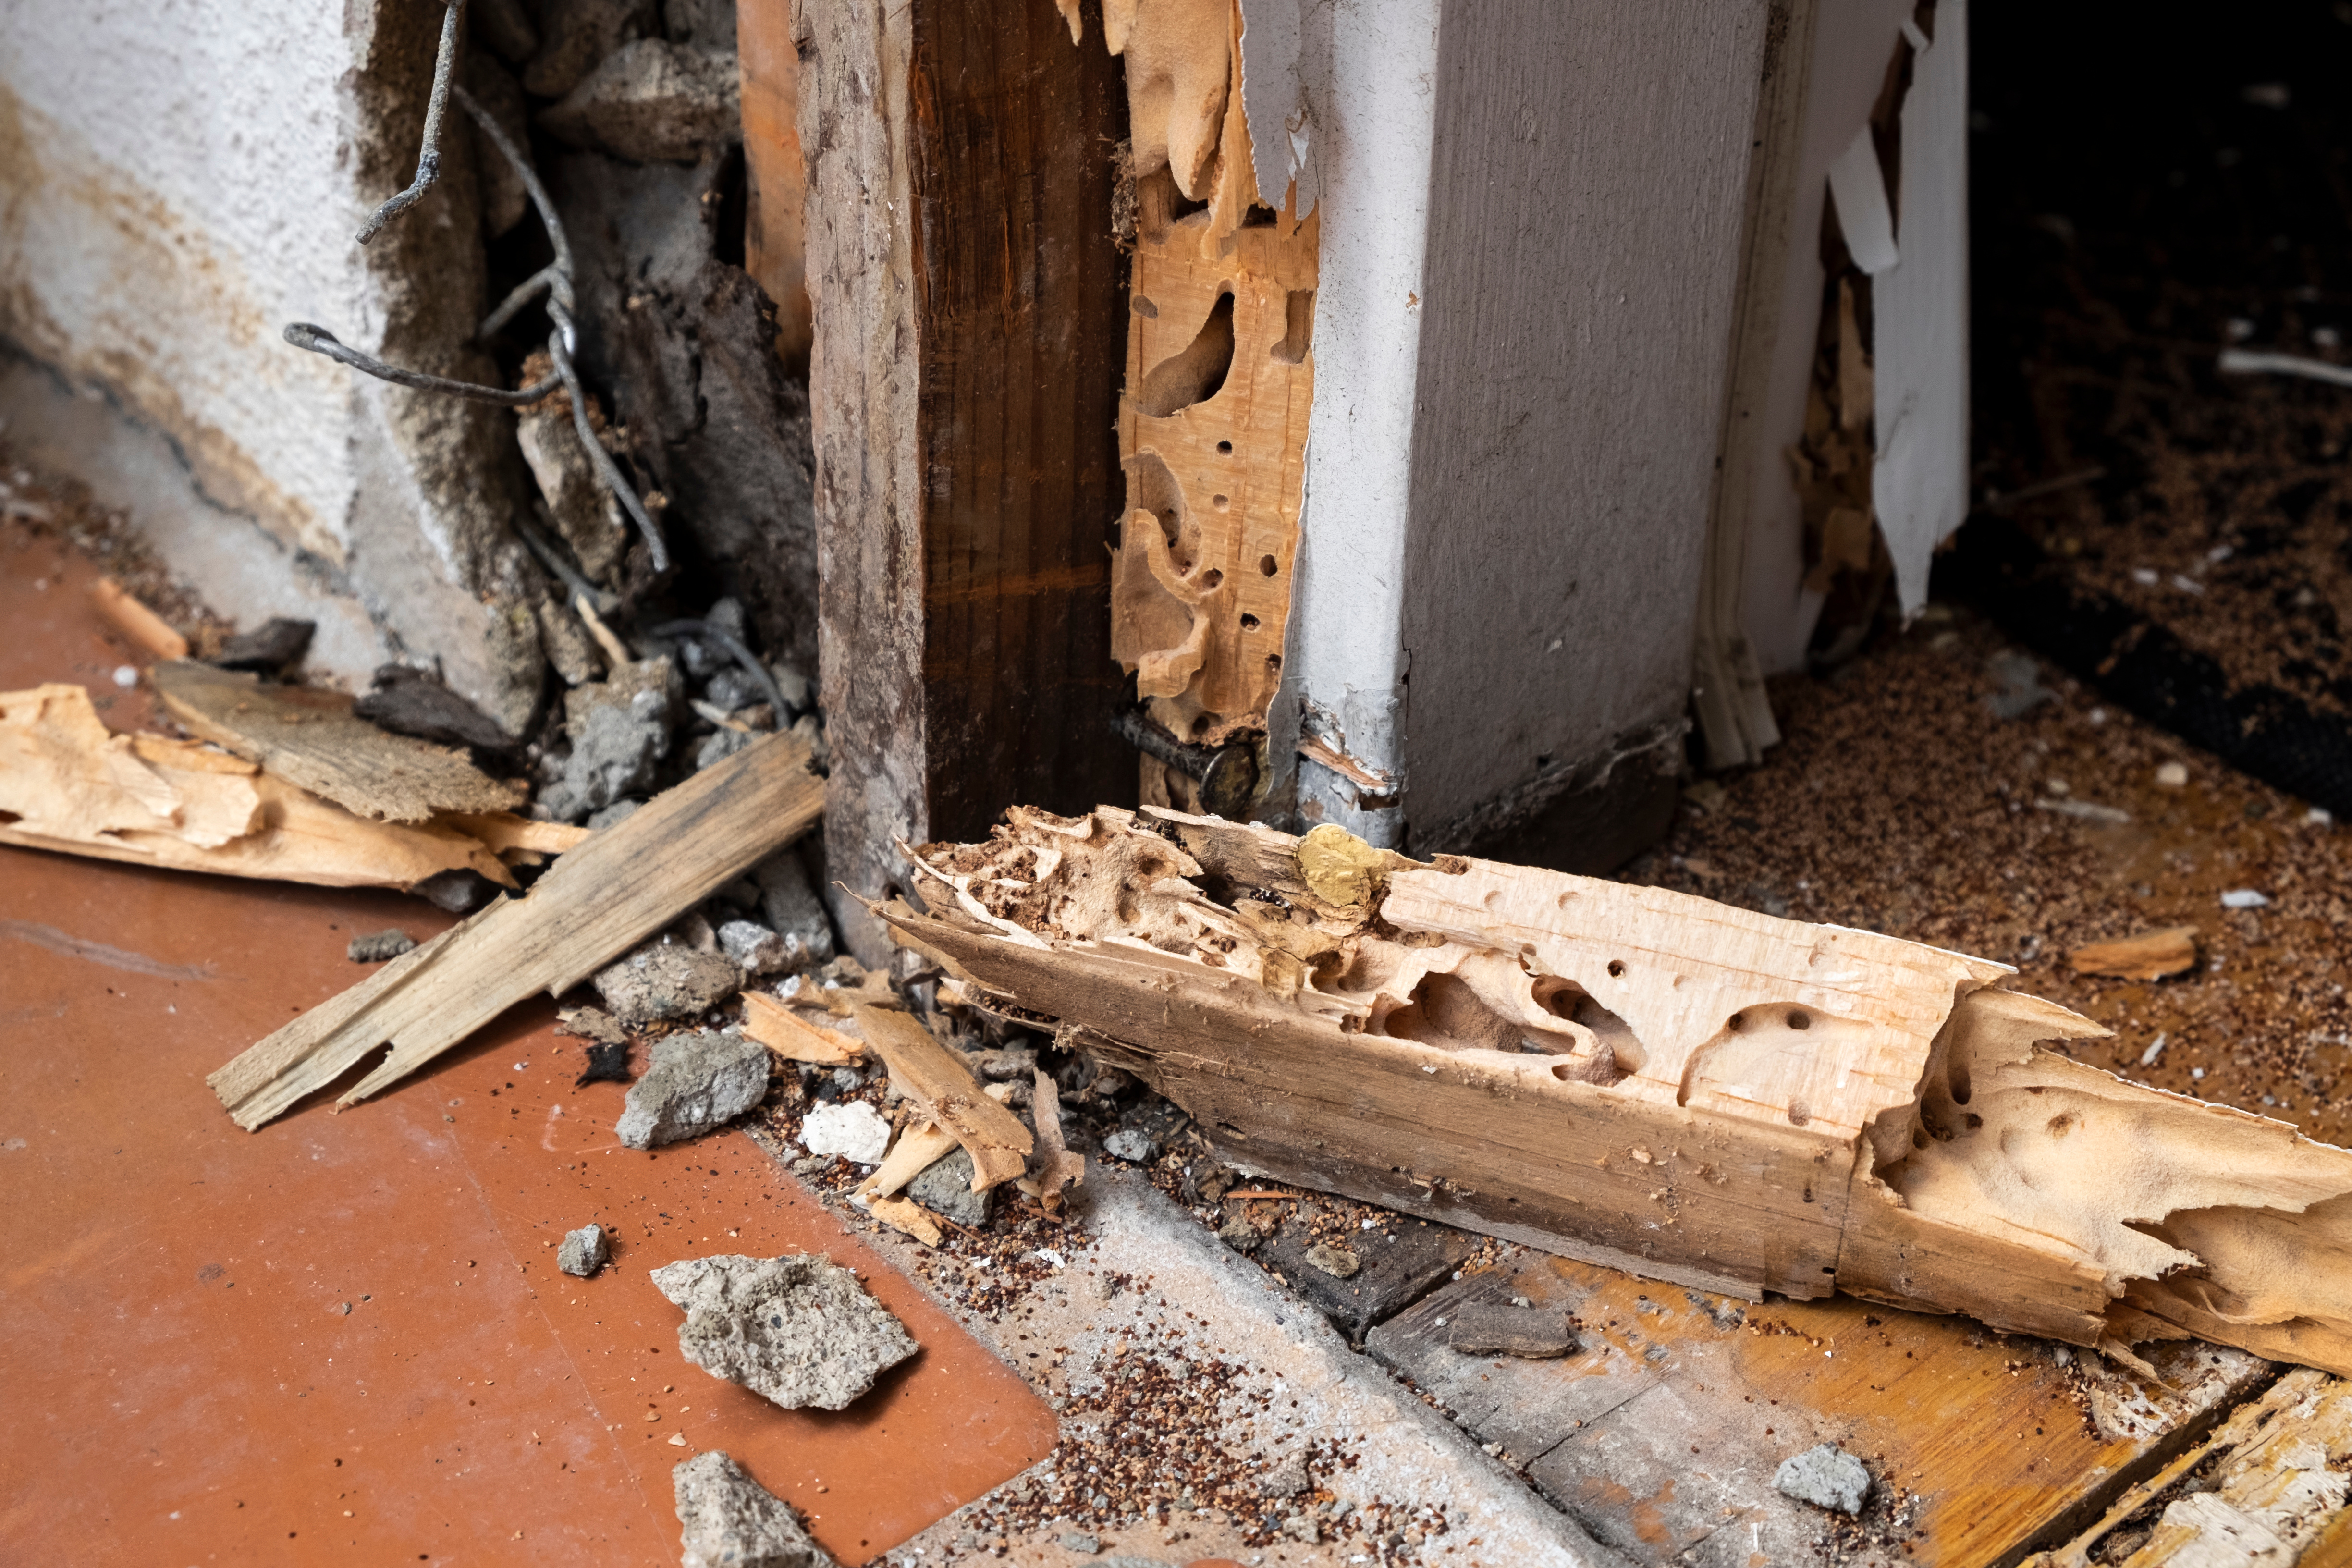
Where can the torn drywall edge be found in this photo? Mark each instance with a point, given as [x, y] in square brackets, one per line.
[1858, 187]
[1920, 311]
[1285, 63]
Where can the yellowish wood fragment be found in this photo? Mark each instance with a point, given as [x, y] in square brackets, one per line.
[786, 1033]
[907, 1215]
[924, 1068]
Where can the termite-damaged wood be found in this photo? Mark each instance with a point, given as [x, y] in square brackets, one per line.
[1643, 1079]
[66, 785]
[618, 888]
[310, 736]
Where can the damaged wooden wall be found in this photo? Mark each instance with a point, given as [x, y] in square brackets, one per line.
[968, 352]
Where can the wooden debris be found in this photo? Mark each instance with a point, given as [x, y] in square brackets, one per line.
[1057, 1167]
[784, 1032]
[620, 887]
[68, 785]
[2151, 955]
[1654, 1081]
[917, 1151]
[924, 1068]
[1492, 1329]
[143, 628]
[907, 1215]
[517, 840]
[2263, 1488]
[310, 737]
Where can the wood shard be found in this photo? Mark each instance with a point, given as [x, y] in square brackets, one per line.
[66, 785]
[907, 1215]
[924, 1068]
[1055, 1166]
[1654, 1081]
[310, 737]
[793, 1037]
[2151, 955]
[620, 887]
[147, 631]
[917, 1151]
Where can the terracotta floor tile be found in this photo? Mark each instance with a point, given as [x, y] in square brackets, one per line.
[343, 1338]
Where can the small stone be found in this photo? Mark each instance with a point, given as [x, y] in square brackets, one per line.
[1083, 1545]
[719, 745]
[854, 1130]
[583, 1251]
[697, 1081]
[378, 946]
[1241, 1235]
[1289, 1478]
[793, 910]
[2244, 899]
[755, 947]
[1338, 1262]
[619, 729]
[666, 980]
[732, 1522]
[1488, 1329]
[945, 1189]
[2172, 776]
[619, 811]
[1826, 1477]
[797, 1330]
[591, 1024]
[1135, 1146]
[2020, 679]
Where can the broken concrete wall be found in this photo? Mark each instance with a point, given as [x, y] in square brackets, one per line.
[176, 184]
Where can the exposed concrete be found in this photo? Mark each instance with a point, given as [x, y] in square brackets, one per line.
[1223, 1308]
[652, 102]
[945, 1189]
[159, 268]
[583, 1251]
[798, 1330]
[1826, 1477]
[794, 909]
[666, 980]
[733, 1521]
[697, 1081]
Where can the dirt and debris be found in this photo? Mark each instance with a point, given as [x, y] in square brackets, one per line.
[271, 649]
[1826, 1477]
[697, 1081]
[377, 946]
[583, 1251]
[732, 1522]
[1529, 1332]
[407, 701]
[798, 1330]
[666, 980]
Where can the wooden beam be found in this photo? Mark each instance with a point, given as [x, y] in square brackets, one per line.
[1652, 1080]
[965, 393]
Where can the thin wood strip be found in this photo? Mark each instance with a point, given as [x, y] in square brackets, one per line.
[994, 1136]
[790, 1036]
[917, 1151]
[618, 888]
[147, 631]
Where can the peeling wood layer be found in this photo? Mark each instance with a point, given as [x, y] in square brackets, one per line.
[1648, 1079]
[1220, 377]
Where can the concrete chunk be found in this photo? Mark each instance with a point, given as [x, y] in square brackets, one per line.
[945, 1189]
[853, 1128]
[583, 1251]
[794, 909]
[1826, 1477]
[378, 946]
[666, 980]
[733, 1521]
[697, 1082]
[797, 1330]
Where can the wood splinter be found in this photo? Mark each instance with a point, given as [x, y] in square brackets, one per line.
[1652, 1082]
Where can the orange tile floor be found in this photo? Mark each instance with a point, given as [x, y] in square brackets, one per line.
[343, 1338]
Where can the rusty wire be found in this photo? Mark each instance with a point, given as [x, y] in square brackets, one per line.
[428, 157]
[551, 285]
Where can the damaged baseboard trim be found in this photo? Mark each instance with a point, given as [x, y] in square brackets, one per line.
[1647, 1079]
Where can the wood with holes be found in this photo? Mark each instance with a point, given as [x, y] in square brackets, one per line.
[1653, 1080]
[964, 393]
[1213, 429]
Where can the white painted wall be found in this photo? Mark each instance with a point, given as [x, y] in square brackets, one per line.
[173, 188]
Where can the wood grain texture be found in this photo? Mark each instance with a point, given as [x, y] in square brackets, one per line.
[618, 889]
[310, 737]
[2268, 1487]
[68, 785]
[920, 1066]
[964, 388]
[1623, 1075]
[1588, 196]
[793, 1037]
[775, 242]
[1661, 1428]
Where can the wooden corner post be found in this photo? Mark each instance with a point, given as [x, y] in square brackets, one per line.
[970, 305]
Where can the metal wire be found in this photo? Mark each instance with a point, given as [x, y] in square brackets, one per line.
[319, 340]
[741, 655]
[552, 556]
[428, 158]
[559, 348]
